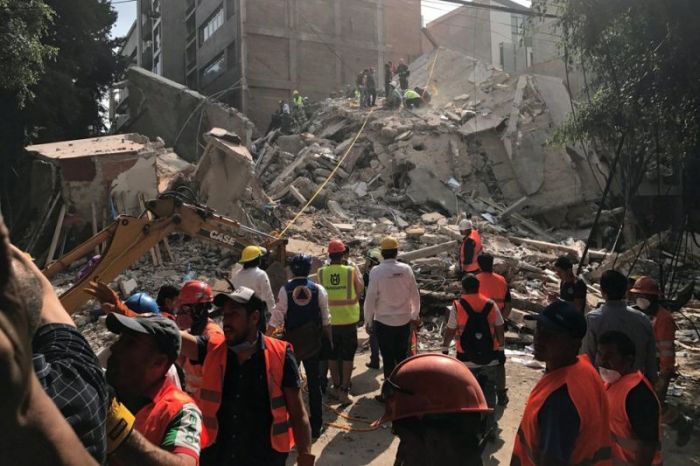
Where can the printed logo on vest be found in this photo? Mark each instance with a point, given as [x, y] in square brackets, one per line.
[301, 295]
[335, 279]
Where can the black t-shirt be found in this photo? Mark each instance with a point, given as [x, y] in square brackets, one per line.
[643, 412]
[568, 291]
[558, 423]
[245, 415]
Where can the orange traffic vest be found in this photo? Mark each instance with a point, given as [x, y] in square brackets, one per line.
[624, 445]
[281, 435]
[152, 420]
[588, 396]
[473, 265]
[478, 302]
[494, 287]
[206, 391]
[665, 336]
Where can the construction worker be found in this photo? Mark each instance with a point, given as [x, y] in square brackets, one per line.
[495, 287]
[392, 306]
[647, 295]
[403, 72]
[436, 407]
[298, 112]
[344, 287]
[388, 74]
[261, 415]
[393, 98]
[571, 288]
[566, 417]
[614, 314]
[470, 248]
[374, 257]
[412, 99]
[302, 309]
[476, 323]
[297, 100]
[167, 300]
[635, 411]
[142, 303]
[371, 85]
[166, 422]
[253, 277]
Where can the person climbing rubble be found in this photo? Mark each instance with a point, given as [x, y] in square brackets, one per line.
[470, 248]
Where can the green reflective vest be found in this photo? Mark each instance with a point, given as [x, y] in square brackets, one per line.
[411, 94]
[343, 302]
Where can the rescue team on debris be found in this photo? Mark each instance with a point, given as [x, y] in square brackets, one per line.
[181, 389]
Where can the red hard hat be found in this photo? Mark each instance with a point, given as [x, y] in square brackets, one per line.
[195, 291]
[336, 246]
[646, 285]
[431, 384]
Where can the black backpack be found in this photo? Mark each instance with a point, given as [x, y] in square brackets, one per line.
[476, 338]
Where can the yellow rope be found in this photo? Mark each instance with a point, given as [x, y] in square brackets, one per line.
[430, 75]
[330, 177]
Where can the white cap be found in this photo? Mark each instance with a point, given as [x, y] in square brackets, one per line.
[466, 225]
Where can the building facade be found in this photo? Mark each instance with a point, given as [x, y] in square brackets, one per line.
[252, 53]
[493, 36]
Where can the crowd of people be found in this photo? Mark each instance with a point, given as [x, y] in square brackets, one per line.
[197, 377]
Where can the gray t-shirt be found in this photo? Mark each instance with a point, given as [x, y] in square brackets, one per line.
[616, 315]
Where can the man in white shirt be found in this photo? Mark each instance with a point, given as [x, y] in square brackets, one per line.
[253, 277]
[392, 305]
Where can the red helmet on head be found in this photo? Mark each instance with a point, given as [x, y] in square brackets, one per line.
[431, 384]
[336, 246]
[194, 292]
[647, 286]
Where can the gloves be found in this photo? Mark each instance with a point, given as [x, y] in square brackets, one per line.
[109, 299]
[306, 459]
[120, 423]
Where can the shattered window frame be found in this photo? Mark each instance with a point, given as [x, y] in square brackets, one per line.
[212, 69]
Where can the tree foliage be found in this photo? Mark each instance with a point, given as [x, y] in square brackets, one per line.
[23, 26]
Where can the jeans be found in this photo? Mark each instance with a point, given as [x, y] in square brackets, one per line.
[313, 380]
[373, 349]
[393, 344]
[487, 376]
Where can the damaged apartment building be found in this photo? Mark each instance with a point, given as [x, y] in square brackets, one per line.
[251, 54]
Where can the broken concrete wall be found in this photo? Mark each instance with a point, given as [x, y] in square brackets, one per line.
[162, 108]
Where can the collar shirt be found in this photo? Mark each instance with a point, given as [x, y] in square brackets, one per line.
[392, 295]
[257, 280]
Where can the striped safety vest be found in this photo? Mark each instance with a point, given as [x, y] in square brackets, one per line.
[343, 301]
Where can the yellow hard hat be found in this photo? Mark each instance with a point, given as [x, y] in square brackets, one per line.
[250, 253]
[295, 93]
[389, 243]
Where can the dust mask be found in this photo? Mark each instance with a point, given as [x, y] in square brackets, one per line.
[643, 303]
[609, 375]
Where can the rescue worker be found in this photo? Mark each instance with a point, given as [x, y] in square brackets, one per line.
[261, 415]
[344, 287]
[436, 407]
[298, 112]
[371, 84]
[166, 426]
[635, 411]
[302, 309]
[571, 288]
[476, 323]
[470, 248]
[253, 277]
[566, 417]
[142, 303]
[412, 99]
[388, 74]
[297, 100]
[374, 258]
[167, 300]
[647, 296]
[403, 72]
[495, 287]
[392, 306]
[393, 98]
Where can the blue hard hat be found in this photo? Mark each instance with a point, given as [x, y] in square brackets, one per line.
[300, 265]
[142, 303]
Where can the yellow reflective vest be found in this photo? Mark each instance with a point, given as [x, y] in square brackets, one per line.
[343, 302]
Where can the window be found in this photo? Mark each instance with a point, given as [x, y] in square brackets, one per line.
[212, 70]
[210, 26]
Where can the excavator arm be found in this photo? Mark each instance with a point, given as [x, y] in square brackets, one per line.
[128, 238]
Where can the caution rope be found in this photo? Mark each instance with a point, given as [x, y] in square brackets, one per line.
[430, 74]
[329, 178]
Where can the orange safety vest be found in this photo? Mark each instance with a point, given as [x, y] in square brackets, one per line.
[152, 420]
[206, 390]
[624, 445]
[665, 336]
[588, 396]
[472, 266]
[478, 302]
[494, 287]
[281, 434]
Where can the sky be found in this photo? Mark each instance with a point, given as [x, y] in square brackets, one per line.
[126, 10]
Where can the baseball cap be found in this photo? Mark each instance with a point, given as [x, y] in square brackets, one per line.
[241, 295]
[164, 330]
[562, 316]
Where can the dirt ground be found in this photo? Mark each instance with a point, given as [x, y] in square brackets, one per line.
[343, 448]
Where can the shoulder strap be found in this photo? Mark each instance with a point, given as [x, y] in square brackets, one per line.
[487, 307]
[466, 306]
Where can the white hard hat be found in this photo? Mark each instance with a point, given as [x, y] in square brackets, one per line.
[465, 225]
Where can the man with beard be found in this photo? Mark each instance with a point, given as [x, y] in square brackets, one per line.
[261, 415]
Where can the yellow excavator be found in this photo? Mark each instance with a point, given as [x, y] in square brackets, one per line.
[128, 238]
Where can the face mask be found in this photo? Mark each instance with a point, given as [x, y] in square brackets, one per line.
[643, 303]
[609, 375]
